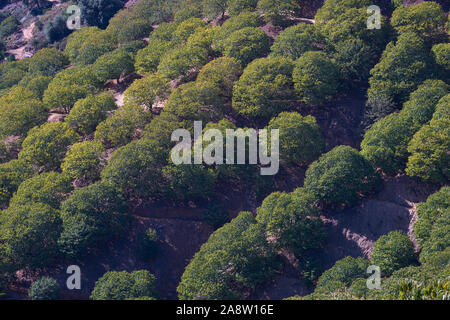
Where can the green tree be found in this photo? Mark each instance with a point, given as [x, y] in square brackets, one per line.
[36, 84]
[265, 88]
[186, 29]
[137, 168]
[94, 46]
[18, 118]
[120, 128]
[147, 244]
[45, 146]
[341, 176]
[83, 161]
[393, 252]
[213, 8]
[29, 234]
[236, 256]
[44, 288]
[87, 113]
[12, 174]
[148, 59]
[196, 101]
[236, 7]
[429, 212]
[294, 41]
[113, 65]
[429, 147]
[144, 92]
[279, 11]
[345, 271]
[222, 72]
[292, 221]
[300, 139]
[89, 218]
[246, 45]
[183, 62]
[76, 40]
[47, 62]
[316, 78]
[115, 285]
[48, 188]
[441, 54]
[243, 20]
[403, 66]
[426, 19]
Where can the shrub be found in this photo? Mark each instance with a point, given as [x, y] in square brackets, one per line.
[346, 271]
[44, 288]
[47, 62]
[123, 285]
[147, 244]
[98, 12]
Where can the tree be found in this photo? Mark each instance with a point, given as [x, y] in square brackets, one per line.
[345, 271]
[148, 59]
[403, 66]
[235, 256]
[48, 188]
[187, 12]
[137, 169]
[12, 72]
[196, 101]
[393, 252]
[341, 176]
[94, 46]
[186, 29]
[213, 8]
[183, 62]
[429, 147]
[29, 234]
[9, 26]
[36, 84]
[300, 139]
[236, 7]
[278, 11]
[189, 183]
[385, 143]
[441, 54]
[70, 86]
[12, 174]
[243, 20]
[87, 113]
[294, 41]
[292, 221]
[18, 118]
[113, 65]
[246, 45]
[316, 78]
[429, 212]
[222, 72]
[123, 285]
[98, 12]
[265, 88]
[44, 288]
[83, 161]
[47, 62]
[76, 40]
[426, 19]
[45, 146]
[146, 91]
[120, 128]
[90, 216]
